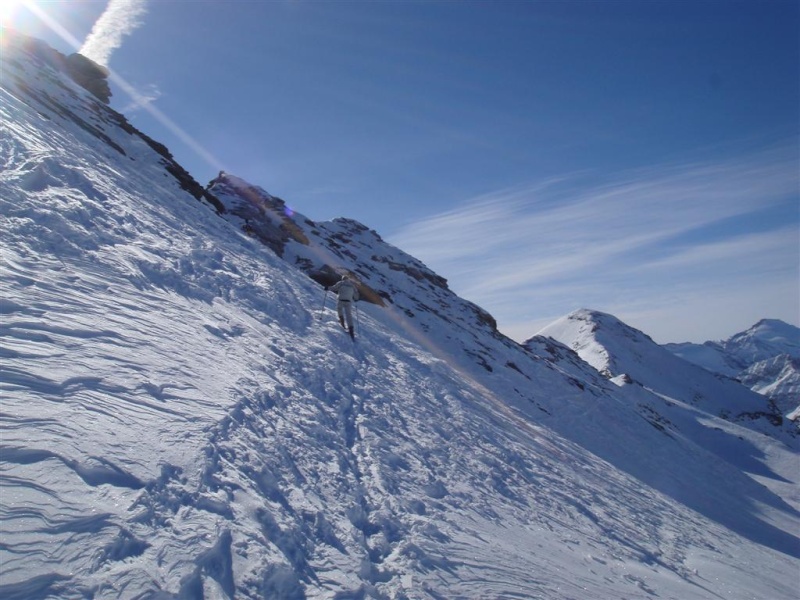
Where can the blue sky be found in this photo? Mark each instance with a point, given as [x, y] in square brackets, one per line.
[636, 157]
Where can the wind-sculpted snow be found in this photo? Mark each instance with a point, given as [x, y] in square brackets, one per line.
[182, 418]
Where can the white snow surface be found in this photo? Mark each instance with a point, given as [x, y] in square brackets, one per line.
[181, 417]
[765, 339]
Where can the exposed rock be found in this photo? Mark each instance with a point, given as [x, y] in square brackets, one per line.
[414, 272]
[94, 78]
[89, 75]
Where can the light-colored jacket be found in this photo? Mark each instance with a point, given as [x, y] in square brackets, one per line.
[347, 290]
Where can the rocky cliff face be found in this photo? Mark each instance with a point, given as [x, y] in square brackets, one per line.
[89, 75]
[82, 70]
[386, 275]
[37, 73]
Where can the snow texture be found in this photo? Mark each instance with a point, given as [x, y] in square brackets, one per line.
[183, 417]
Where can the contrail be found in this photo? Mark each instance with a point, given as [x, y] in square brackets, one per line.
[120, 18]
[173, 127]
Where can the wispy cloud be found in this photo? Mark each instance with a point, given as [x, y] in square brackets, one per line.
[120, 18]
[534, 253]
[142, 99]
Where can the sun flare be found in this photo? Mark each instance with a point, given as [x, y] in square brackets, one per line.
[8, 9]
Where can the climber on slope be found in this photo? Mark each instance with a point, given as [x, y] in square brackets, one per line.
[348, 293]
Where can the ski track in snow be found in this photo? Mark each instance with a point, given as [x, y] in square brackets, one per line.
[180, 420]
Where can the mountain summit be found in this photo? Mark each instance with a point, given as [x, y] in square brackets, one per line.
[617, 350]
[183, 417]
[765, 358]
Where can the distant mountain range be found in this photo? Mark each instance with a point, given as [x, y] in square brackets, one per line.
[765, 358]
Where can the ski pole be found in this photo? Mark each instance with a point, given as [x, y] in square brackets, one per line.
[324, 299]
[358, 323]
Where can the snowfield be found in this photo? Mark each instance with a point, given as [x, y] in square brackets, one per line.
[182, 418]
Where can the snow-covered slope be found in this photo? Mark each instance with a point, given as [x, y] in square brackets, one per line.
[765, 339]
[417, 299]
[765, 358]
[616, 349]
[182, 419]
[709, 355]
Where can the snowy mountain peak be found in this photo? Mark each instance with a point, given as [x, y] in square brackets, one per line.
[624, 354]
[765, 358]
[183, 416]
[596, 336]
[774, 330]
[765, 339]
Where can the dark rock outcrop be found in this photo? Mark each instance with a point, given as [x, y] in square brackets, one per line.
[89, 75]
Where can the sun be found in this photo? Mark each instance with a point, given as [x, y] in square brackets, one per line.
[8, 8]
